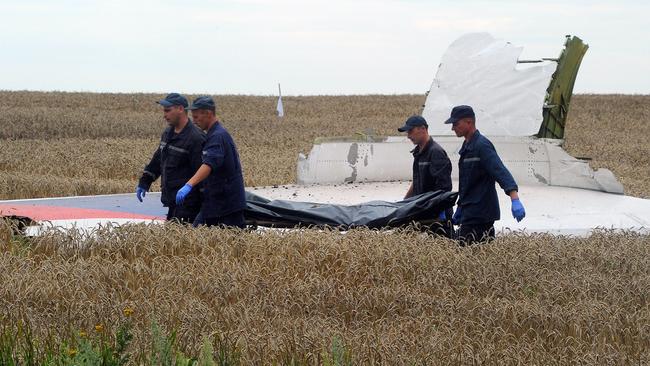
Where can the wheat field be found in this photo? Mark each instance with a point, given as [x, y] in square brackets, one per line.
[288, 297]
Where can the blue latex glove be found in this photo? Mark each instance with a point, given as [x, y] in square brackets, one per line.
[140, 193]
[182, 193]
[456, 218]
[442, 216]
[518, 211]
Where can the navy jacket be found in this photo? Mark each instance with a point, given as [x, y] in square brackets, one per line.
[479, 168]
[431, 170]
[176, 160]
[224, 188]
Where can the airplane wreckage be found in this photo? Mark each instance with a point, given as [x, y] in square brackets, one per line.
[521, 105]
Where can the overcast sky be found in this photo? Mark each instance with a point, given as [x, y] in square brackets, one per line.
[310, 47]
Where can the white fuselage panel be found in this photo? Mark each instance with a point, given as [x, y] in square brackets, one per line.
[531, 161]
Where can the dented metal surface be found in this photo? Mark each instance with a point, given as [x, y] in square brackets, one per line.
[353, 157]
[529, 159]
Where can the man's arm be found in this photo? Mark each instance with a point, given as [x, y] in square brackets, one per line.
[495, 167]
[213, 156]
[500, 173]
[440, 169]
[196, 153]
[200, 175]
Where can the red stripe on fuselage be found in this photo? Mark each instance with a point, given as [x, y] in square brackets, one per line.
[44, 213]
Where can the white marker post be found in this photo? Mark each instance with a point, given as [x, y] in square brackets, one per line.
[279, 108]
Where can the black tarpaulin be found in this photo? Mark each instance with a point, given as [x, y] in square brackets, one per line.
[423, 208]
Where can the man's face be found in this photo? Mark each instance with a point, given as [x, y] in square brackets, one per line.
[202, 118]
[173, 114]
[462, 127]
[417, 135]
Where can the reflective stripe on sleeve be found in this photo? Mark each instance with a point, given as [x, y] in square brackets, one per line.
[178, 149]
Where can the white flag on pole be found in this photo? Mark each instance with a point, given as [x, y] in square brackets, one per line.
[279, 108]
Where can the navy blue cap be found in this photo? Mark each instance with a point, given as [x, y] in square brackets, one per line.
[413, 121]
[459, 112]
[173, 99]
[203, 103]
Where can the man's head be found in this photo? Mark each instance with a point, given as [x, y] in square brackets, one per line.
[174, 108]
[462, 120]
[417, 129]
[203, 112]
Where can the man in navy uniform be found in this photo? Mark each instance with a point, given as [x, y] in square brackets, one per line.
[224, 197]
[479, 168]
[431, 169]
[176, 159]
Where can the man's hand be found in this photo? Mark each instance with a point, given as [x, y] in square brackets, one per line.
[518, 211]
[182, 193]
[140, 193]
[457, 216]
